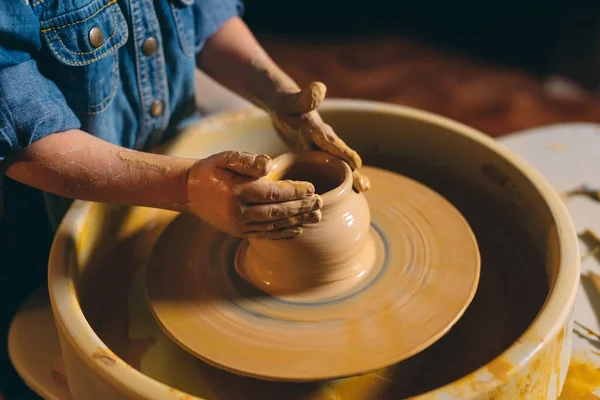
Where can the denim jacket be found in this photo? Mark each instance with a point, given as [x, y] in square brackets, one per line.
[122, 70]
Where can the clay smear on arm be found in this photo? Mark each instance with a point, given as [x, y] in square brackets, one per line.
[141, 160]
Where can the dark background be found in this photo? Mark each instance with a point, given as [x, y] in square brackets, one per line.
[482, 63]
[533, 35]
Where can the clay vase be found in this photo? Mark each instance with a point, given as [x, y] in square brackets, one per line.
[328, 257]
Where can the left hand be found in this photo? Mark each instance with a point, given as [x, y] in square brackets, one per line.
[298, 123]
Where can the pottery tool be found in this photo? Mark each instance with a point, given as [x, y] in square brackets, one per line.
[422, 273]
[595, 278]
[584, 190]
[593, 243]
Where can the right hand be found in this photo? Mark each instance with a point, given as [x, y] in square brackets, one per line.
[298, 123]
[228, 190]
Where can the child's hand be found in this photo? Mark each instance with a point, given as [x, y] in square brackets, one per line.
[300, 126]
[252, 74]
[228, 191]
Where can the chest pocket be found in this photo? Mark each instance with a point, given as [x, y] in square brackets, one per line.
[83, 58]
[183, 15]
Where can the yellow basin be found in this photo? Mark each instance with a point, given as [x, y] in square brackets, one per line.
[513, 342]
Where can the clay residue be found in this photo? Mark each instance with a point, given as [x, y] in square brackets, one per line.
[557, 146]
[583, 380]
[500, 369]
[103, 357]
[58, 373]
[141, 160]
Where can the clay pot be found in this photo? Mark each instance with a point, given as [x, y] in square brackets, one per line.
[327, 257]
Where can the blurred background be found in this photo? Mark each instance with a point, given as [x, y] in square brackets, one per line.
[498, 66]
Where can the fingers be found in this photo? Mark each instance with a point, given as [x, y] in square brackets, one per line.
[267, 191]
[325, 138]
[308, 99]
[286, 233]
[283, 228]
[247, 164]
[289, 136]
[276, 211]
[360, 182]
[310, 128]
[297, 221]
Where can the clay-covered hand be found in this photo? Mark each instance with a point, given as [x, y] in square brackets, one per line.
[298, 123]
[228, 190]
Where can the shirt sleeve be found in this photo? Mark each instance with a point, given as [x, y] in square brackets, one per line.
[31, 106]
[212, 15]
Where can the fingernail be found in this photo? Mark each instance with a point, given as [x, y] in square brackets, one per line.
[265, 163]
[319, 202]
[361, 182]
[290, 233]
[308, 187]
[314, 216]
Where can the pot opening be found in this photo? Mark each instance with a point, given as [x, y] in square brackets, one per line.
[324, 176]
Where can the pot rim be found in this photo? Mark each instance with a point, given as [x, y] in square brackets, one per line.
[318, 157]
[546, 325]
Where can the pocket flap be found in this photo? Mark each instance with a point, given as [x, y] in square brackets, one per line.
[85, 35]
[184, 3]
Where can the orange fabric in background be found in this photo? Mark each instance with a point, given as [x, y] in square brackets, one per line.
[494, 99]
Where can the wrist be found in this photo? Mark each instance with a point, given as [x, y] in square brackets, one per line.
[268, 84]
[179, 200]
[184, 179]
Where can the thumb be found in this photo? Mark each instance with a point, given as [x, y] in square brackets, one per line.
[304, 101]
[247, 164]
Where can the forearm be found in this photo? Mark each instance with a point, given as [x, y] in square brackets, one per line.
[77, 165]
[250, 72]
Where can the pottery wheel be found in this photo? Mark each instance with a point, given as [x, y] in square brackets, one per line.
[426, 274]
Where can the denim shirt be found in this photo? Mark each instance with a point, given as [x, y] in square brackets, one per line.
[122, 70]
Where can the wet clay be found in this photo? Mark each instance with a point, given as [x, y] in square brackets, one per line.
[502, 308]
[326, 259]
[344, 319]
[142, 160]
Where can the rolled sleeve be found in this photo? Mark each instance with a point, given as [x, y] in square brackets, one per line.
[31, 106]
[213, 14]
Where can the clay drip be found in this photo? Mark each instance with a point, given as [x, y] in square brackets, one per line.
[328, 258]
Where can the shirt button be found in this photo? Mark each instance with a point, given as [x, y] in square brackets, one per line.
[96, 37]
[157, 108]
[149, 46]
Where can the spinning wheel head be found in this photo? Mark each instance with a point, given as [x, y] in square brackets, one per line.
[416, 269]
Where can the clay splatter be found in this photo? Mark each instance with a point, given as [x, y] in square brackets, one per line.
[145, 161]
[101, 356]
[557, 146]
[583, 381]
[58, 373]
